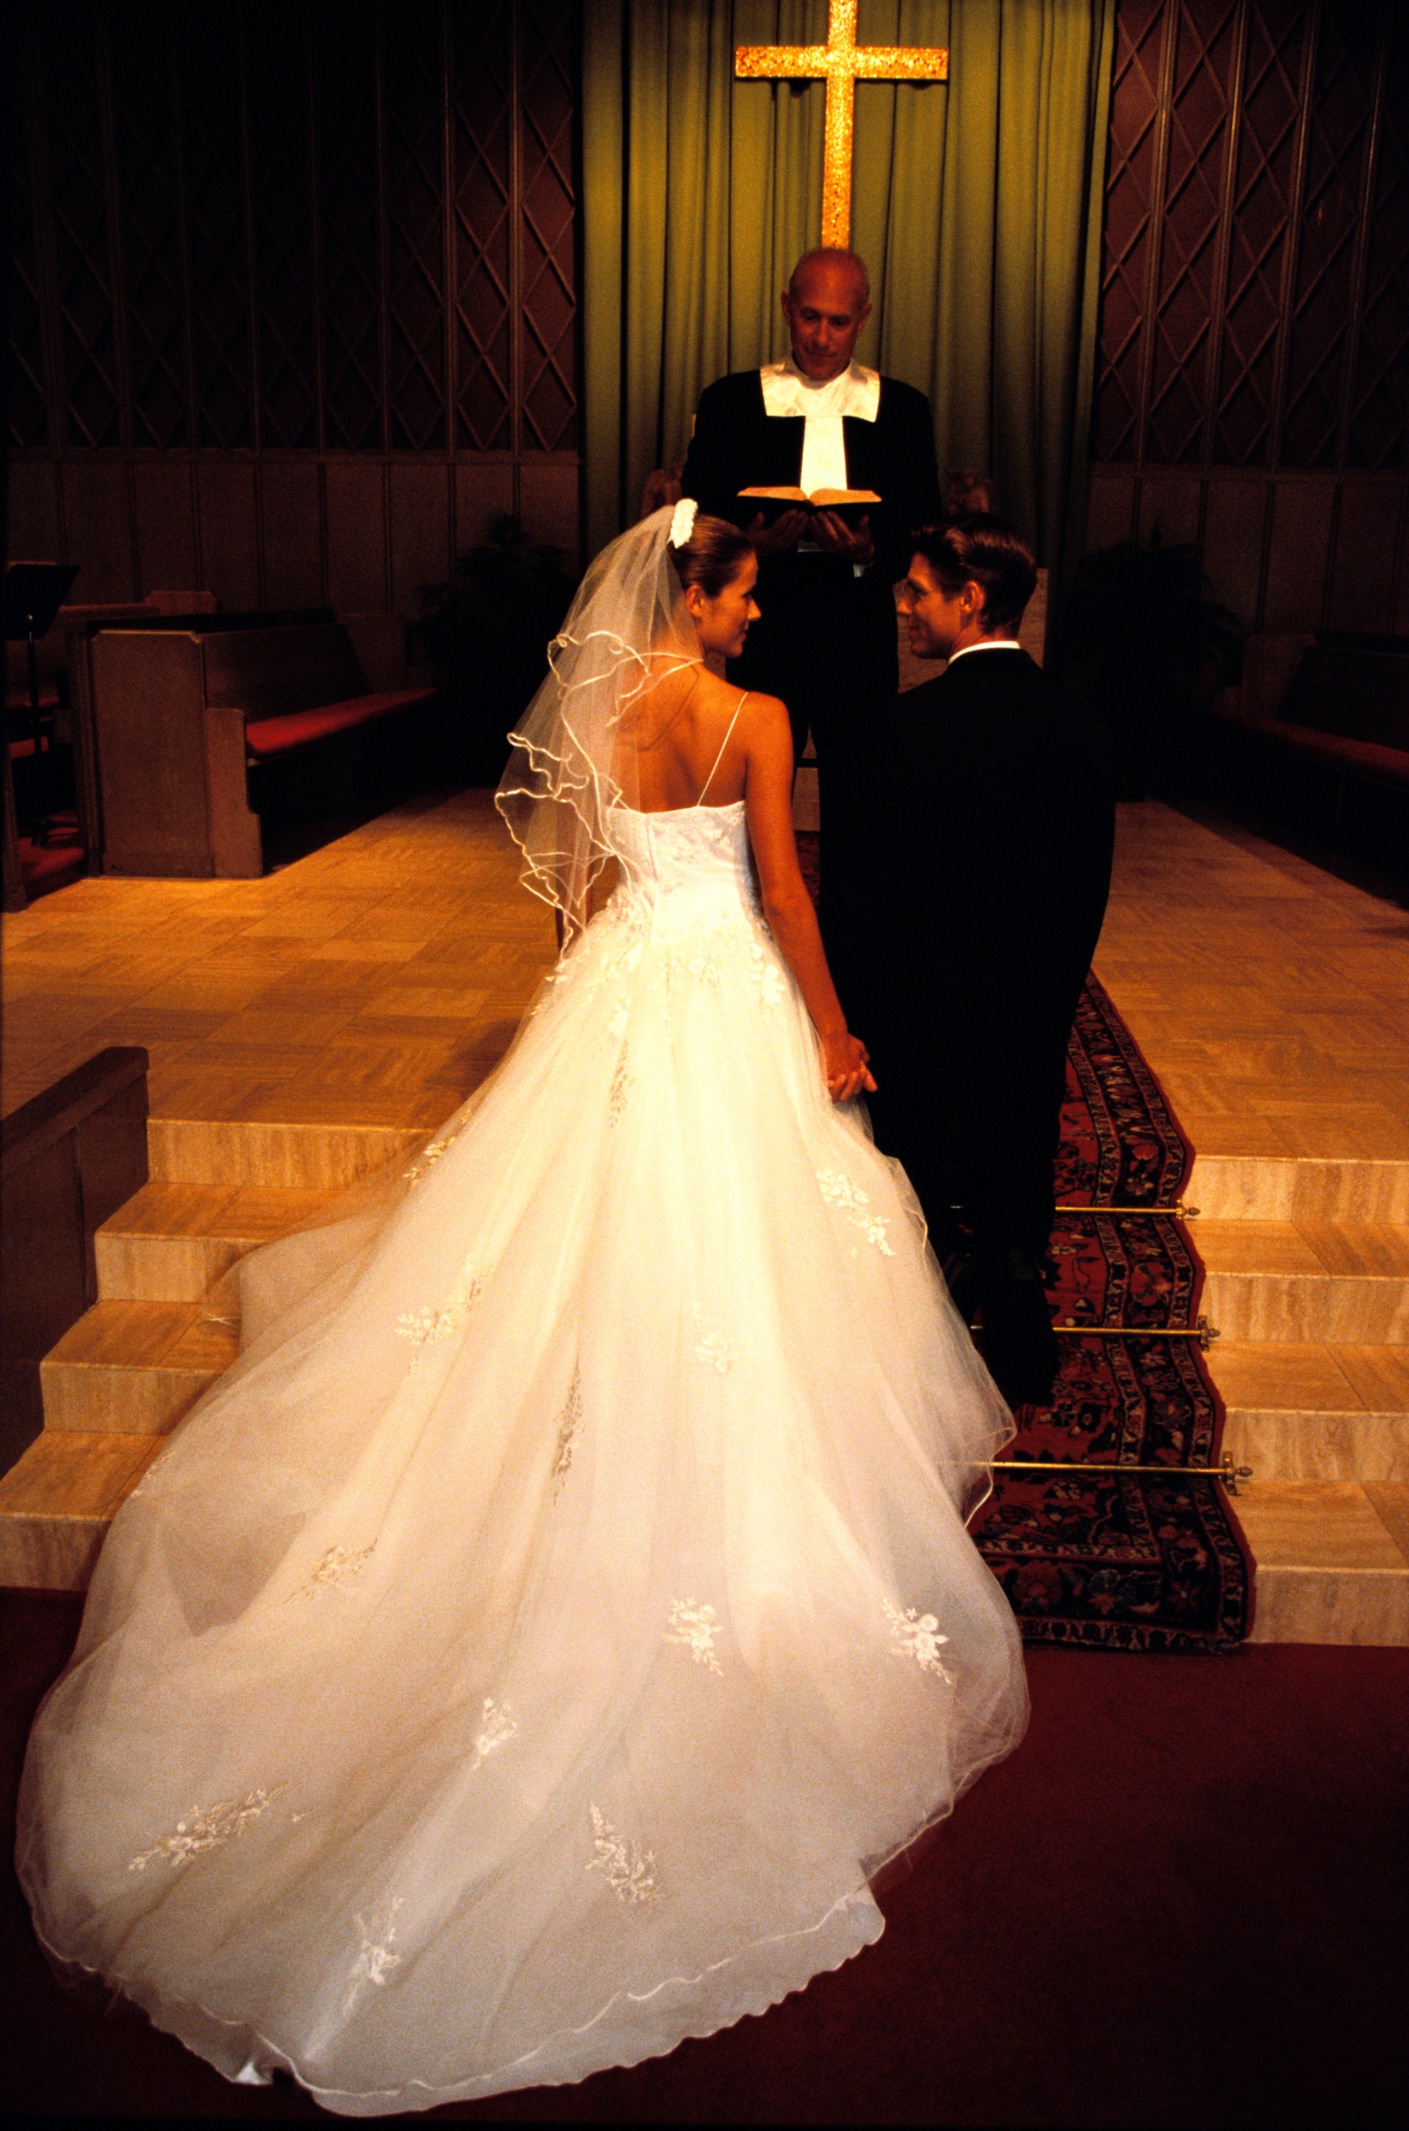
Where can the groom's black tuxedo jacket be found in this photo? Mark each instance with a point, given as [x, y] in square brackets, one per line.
[826, 635]
[978, 873]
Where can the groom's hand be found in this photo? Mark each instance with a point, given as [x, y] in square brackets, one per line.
[854, 543]
[782, 536]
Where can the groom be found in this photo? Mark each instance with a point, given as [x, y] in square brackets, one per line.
[826, 642]
[985, 839]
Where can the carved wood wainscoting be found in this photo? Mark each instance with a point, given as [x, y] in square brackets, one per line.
[1288, 551]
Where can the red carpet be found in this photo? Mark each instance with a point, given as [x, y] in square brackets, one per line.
[1181, 1903]
[1112, 1556]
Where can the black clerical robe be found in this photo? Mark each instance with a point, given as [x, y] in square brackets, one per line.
[826, 642]
[978, 876]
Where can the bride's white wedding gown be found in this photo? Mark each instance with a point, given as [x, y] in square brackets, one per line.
[521, 1660]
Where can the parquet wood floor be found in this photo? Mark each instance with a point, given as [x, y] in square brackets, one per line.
[374, 982]
[1271, 998]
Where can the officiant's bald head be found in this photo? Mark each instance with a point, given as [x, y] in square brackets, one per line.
[826, 303]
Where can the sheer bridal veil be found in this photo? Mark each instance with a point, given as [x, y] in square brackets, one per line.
[628, 626]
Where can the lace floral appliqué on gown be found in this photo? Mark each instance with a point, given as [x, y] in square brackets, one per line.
[524, 1658]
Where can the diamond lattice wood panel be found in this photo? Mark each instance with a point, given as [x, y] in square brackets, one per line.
[210, 59]
[1379, 420]
[344, 69]
[1135, 141]
[413, 77]
[73, 132]
[154, 269]
[547, 382]
[482, 83]
[1181, 326]
[281, 227]
[1330, 223]
[28, 410]
[1259, 232]
[297, 227]
[1257, 237]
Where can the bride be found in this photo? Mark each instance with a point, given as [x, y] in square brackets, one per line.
[527, 1655]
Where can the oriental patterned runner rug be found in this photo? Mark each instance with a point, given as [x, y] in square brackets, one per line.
[1104, 1557]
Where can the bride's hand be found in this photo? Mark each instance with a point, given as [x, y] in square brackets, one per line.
[845, 1068]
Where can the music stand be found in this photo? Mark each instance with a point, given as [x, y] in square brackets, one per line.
[34, 593]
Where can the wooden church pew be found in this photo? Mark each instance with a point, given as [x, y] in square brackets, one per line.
[187, 716]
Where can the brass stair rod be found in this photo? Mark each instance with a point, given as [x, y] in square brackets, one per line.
[1204, 1332]
[1178, 1212]
[1135, 1331]
[1225, 1470]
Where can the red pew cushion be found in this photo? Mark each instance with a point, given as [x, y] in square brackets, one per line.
[275, 736]
[1390, 764]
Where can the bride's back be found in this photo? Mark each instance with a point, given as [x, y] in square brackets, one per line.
[670, 742]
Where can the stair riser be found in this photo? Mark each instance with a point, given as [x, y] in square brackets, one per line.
[107, 1399]
[298, 1157]
[1308, 1307]
[1319, 1446]
[49, 1553]
[164, 1268]
[1248, 1188]
[1344, 1606]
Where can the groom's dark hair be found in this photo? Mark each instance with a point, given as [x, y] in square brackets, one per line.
[980, 546]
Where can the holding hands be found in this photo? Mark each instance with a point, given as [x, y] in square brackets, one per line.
[845, 1067]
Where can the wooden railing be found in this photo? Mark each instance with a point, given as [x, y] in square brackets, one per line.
[68, 1159]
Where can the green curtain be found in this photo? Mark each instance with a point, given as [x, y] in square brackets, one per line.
[977, 205]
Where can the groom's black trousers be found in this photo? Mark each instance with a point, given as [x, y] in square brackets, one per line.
[974, 880]
[976, 1130]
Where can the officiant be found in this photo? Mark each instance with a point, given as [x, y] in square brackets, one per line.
[826, 642]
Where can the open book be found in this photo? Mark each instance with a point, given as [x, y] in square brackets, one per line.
[848, 503]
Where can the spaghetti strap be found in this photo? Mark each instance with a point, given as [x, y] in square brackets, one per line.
[722, 745]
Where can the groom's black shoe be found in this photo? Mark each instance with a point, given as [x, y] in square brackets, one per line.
[1019, 1344]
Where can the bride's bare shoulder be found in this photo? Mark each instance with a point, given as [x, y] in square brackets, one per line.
[715, 693]
[764, 713]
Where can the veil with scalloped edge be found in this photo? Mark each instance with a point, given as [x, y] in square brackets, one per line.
[627, 627]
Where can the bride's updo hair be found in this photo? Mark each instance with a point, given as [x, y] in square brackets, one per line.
[713, 555]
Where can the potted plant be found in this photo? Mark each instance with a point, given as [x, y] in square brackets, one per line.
[1145, 642]
[485, 638]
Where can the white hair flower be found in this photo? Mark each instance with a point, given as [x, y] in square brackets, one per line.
[683, 523]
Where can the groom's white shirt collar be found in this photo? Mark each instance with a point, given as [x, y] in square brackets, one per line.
[991, 643]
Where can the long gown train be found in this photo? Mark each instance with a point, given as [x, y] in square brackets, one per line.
[525, 1656]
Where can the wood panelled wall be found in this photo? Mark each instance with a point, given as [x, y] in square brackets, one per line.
[1253, 376]
[293, 308]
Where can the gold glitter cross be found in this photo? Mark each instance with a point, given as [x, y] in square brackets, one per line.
[841, 62]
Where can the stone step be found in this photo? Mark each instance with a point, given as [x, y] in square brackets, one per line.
[1243, 1187]
[1332, 1560]
[133, 1368]
[1300, 1411]
[179, 1242]
[57, 1502]
[1306, 1281]
[286, 1157]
